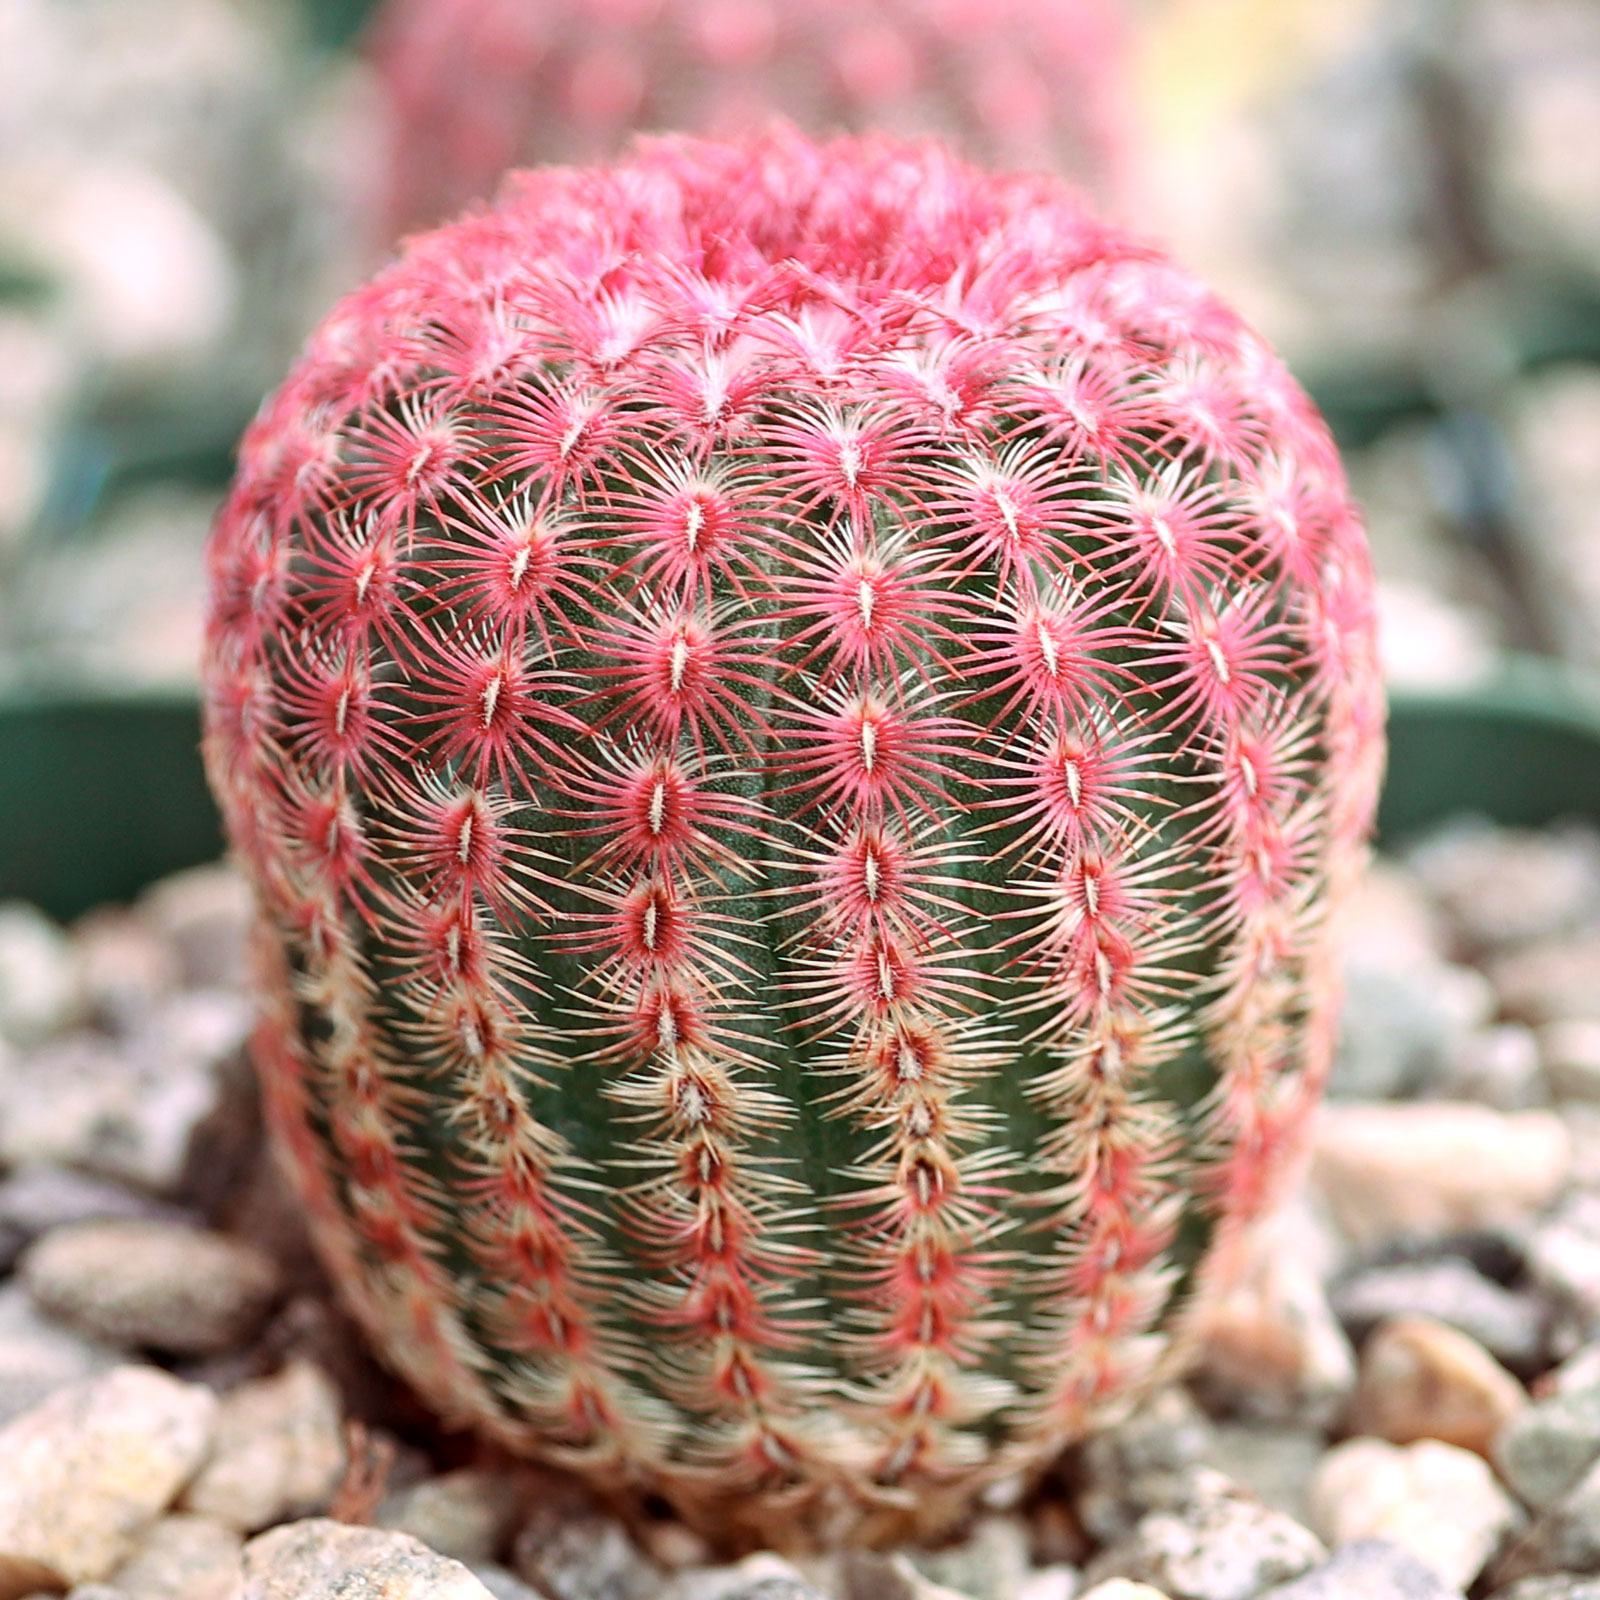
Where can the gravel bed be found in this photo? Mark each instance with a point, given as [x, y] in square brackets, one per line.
[1400, 1398]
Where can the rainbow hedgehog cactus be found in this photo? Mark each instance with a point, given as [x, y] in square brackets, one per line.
[472, 87]
[798, 716]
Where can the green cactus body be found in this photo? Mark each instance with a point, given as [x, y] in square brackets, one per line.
[798, 715]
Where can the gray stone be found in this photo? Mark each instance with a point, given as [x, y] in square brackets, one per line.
[1563, 1257]
[84, 1475]
[1403, 1025]
[1554, 1586]
[1273, 1462]
[159, 1285]
[1500, 1067]
[1563, 1538]
[1550, 982]
[279, 1451]
[39, 1355]
[990, 1564]
[502, 1583]
[774, 1577]
[1543, 1452]
[468, 1514]
[1509, 1324]
[183, 1558]
[321, 1560]
[1144, 1463]
[570, 1552]
[204, 914]
[1224, 1545]
[38, 1197]
[1503, 886]
[1122, 1589]
[38, 987]
[1369, 1569]
[1058, 1581]
[1570, 1051]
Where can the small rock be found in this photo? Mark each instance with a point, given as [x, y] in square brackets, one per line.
[160, 1285]
[990, 1564]
[1563, 1538]
[1437, 1501]
[1563, 1259]
[1556, 1586]
[84, 1101]
[740, 1579]
[1502, 886]
[1274, 1463]
[279, 1451]
[1271, 1347]
[182, 1558]
[573, 1553]
[1499, 1067]
[1144, 1463]
[502, 1584]
[38, 988]
[205, 915]
[1509, 1324]
[1223, 1546]
[124, 967]
[1122, 1589]
[38, 1356]
[1422, 1380]
[1570, 1052]
[1369, 1569]
[39, 1197]
[1550, 1445]
[467, 1514]
[1397, 1171]
[1403, 1024]
[84, 1475]
[322, 1560]
[1550, 982]
[1058, 1581]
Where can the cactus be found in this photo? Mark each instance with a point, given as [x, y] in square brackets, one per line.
[471, 87]
[797, 715]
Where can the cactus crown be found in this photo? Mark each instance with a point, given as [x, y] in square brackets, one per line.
[796, 713]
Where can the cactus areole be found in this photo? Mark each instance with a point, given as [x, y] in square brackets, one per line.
[797, 715]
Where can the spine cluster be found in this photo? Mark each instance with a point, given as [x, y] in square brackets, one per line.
[797, 715]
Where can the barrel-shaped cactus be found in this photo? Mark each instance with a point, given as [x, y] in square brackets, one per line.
[798, 716]
[471, 87]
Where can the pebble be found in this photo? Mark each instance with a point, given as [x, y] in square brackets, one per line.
[84, 1101]
[1145, 1463]
[1545, 1450]
[1391, 1172]
[39, 1356]
[1556, 1586]
[279, 1451]
[1509, 1324]
[1224, 1545]
[1122, 1589]
[1058, 1581]
[1565, 1537]
[1502, 886]
[84, 1475]
[38, 1197]
[468, 1514]
[321, 1560]
[1563, 1260]
[1570, 1052]
[1271, 1347]
[1274, 1462]
[502, 1583]
[1403, 1025]
[1500, 1067]
[182, 1558]
[991, 1563]
[573, 1553]
[1437, 1501]
[159, 1285]
[739, 1579]
[1368, 1569]
[1551, 982]
[38, 988]
[204, 914]
[124, 967]
[1421, 1379]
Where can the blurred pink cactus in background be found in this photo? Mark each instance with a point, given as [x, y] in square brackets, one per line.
[473, 87]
